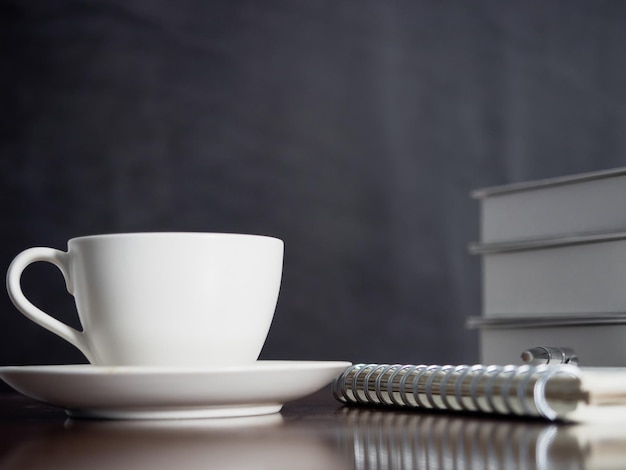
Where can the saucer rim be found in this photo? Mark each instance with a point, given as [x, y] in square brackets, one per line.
[271, 365]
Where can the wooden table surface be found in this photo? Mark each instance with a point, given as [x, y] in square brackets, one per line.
[315, 432]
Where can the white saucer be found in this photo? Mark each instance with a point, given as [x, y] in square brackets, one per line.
[166, 393]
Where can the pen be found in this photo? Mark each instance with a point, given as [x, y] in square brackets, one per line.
[549, 355]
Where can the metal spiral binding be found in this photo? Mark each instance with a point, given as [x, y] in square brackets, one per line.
[542, 391]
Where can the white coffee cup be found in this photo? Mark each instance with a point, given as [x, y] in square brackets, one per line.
[163, 299]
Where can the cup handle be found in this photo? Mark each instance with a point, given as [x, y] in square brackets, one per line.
[14, 275]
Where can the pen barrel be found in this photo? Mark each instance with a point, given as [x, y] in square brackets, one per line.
[542, 391]
[549, 355]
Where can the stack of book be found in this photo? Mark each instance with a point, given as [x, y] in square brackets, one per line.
[554, 268]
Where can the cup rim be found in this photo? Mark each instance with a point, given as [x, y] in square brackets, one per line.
[208, 235]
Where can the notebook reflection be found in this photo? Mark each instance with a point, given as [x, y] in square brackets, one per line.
[380, 439]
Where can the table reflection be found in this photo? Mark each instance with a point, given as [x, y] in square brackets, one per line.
[315, 433]
[233, 443]
[382, 439]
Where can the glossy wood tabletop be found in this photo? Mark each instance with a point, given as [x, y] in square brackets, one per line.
[315, 432]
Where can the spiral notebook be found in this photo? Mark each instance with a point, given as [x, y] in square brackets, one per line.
[564, 392]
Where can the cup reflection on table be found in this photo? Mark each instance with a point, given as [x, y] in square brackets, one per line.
[257, 442]
[384, 439]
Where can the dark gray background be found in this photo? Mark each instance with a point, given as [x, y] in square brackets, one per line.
[353, 130]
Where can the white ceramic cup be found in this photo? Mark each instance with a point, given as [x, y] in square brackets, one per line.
[163, 299]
